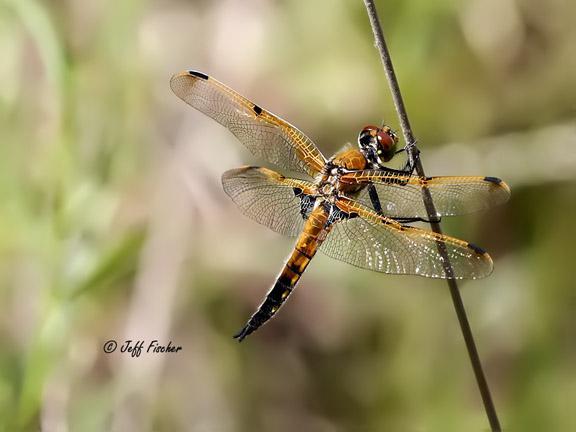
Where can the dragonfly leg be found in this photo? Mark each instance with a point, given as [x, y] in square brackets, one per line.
[413, 156]
[398, 172]
[410, 165]
[374, 198]
[417, 219]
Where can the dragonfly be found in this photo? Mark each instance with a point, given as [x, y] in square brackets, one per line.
[351, 206]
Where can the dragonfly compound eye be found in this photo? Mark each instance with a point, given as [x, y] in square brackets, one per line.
[367, 136]
[387, 141]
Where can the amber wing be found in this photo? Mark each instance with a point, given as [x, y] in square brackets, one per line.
[269, 198]
[266, 135]
[401, 196]
[377, 243]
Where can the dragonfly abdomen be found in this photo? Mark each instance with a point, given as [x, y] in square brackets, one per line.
[308, 243]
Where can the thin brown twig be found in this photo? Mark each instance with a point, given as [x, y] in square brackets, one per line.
[413, 152]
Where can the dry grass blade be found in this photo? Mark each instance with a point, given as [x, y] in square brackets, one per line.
[412, 151]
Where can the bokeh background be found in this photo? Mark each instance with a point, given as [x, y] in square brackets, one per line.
[113, 223]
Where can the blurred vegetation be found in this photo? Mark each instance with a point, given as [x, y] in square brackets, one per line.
[113, 224]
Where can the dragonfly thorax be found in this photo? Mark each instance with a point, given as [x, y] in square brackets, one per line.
[327, 189]
[328, 183]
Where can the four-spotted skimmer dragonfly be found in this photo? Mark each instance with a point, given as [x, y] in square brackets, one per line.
[353, 208]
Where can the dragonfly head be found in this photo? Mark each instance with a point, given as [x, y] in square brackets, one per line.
[377, 144]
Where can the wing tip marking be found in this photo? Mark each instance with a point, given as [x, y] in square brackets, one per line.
[498, 182]
[495, 180]
[257, 110]
[198, 75]
[477, 249]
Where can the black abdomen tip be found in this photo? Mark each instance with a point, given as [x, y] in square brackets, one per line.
[198, 74]
[477, 249]
[494, 180]
[245, 331]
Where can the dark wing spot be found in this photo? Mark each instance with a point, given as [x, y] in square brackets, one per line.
[306, 204]
[494, 180]
[476, 249]
[198, 74]
[336, 215]
[257, 110]
[297, 191]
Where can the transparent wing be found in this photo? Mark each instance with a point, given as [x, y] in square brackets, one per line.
[401, 196]
[269, 198]
[265, 135]
[381, 244]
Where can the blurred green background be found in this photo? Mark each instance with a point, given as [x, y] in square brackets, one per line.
[113, 224]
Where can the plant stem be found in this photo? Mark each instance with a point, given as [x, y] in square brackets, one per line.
[413, 152]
